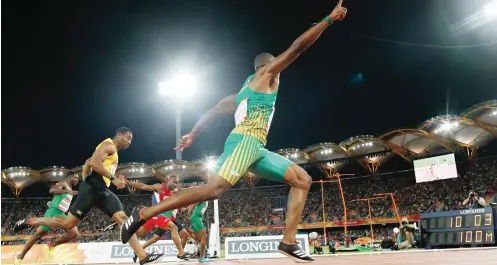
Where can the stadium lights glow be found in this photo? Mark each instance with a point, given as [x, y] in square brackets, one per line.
[447, 127]
[326, 152]
[181, 87]
[494, 113]
[210, 164]
[491, 9]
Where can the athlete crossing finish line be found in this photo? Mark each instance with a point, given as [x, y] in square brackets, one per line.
[61, 200]
[244, 148]
[94, 192]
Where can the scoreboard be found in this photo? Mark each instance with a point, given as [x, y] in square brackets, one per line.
[461, 227]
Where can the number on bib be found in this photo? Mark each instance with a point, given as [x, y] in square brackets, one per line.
[65, 203]
[113, 168]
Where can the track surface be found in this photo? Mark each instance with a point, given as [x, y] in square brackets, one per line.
[480, 256]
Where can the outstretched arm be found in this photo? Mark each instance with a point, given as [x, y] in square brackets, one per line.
[224, 107]
[303, 42]
[142, 186]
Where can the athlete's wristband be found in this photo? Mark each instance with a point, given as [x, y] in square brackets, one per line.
[328, 20]
[113, 177]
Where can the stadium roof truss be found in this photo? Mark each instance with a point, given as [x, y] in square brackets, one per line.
[461, 131]
[365, 144]
[472, 129]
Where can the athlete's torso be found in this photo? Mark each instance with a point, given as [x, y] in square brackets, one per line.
[61, 201]
[158, 197]
[110, 164]
[254, 112]
[200, 208]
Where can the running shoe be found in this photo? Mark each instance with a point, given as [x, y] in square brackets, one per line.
[134, 222]
[50, 249]
[17, 261]
[184, 257]
[204, 260]
[294, 252]
[22, 224]
[151, 258]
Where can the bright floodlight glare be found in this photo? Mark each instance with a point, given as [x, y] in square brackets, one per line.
[181, 87]
[491, 9]
[210, 164]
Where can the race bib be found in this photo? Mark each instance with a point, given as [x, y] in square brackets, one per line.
[204, 208]
[270, 120]
[65, 203]
[113, 168]
[241, 112]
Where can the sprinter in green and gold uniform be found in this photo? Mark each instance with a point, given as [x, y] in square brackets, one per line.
[63, 194]
[244, 150]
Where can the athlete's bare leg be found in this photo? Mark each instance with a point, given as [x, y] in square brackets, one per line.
[202, 240]
[171, 227]
[184, 237]
[211, 191]
[120, 218]
[61, 222]
[301, 182]
[66, 237]
[31, 241]
[151, 241]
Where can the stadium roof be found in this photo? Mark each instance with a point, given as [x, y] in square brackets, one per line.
[468, 131]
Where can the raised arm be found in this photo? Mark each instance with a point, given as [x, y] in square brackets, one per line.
[224, 107]
[305, 41]
[142, 186]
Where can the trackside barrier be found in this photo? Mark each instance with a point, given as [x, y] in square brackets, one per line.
[88, 253]
[259, 246]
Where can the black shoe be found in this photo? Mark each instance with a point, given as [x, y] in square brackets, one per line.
[110, 227]
[22, 224]
[294, 252]
[134, 222]
[151, 258]
[135, 257]
[184, 257]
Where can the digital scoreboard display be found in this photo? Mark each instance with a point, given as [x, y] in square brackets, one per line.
[471, 226]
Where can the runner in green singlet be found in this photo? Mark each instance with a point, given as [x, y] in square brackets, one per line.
[61, 200]
[244, 149]
[195, 216]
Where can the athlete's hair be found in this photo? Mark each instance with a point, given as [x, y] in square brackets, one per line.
[123, 130]
[262, 59]
[71, 174]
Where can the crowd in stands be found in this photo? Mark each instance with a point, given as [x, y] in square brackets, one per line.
[255, 206]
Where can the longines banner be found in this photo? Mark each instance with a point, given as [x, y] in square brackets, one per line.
[105, 252]
[258, 246]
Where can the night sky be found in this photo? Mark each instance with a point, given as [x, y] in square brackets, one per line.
[74, 71]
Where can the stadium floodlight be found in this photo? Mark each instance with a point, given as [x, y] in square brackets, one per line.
[210, 164]
[179, 89]
[447, 126]
[491, 9]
